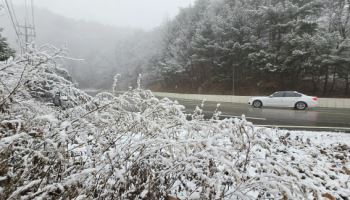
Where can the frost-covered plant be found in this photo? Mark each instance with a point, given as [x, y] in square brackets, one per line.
[36, 74]
[136, 146]
[115, 84]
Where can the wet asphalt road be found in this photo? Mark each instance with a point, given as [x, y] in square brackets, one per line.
[315, 119]
[325, 119]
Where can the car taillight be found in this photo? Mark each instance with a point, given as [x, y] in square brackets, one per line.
[314, 98]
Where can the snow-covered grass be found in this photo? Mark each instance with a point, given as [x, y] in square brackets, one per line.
[323, 138]
[136, 146]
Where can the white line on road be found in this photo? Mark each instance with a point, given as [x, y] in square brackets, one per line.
[306, 127]
[232, 116]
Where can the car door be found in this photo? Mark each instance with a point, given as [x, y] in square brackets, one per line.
[275, 100]
[290, 99]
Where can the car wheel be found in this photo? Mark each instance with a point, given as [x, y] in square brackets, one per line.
[257, 104]
[300, 105]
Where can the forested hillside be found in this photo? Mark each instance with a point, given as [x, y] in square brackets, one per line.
[256, 47]
[104, 50]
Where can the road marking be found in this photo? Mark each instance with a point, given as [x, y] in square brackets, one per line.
[306, 127]
[232, 116]
[333, 113]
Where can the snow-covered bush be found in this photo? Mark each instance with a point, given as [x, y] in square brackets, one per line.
[136, 146]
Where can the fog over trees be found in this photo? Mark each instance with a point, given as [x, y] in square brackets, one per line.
[245, 47]
[105, 50]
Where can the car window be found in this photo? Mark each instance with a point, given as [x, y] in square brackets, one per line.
[278, 94]
[297, 95]
[292, 94]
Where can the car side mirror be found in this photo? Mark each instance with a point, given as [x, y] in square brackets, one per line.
[270, 96]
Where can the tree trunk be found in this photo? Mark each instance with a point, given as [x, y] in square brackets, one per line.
[325, 82]
[333, 81]
[315, 84]
[233, 79]
[192, 76]
[295, 81]
[346, 85]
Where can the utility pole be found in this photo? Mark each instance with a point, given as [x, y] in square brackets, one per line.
[25, 33]
[28, 30]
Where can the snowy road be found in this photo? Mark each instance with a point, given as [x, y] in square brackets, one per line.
[327, 119]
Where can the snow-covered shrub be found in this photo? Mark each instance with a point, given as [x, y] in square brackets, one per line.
[37, 75]
[136, 146]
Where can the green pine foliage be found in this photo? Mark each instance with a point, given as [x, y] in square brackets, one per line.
[5, 50]
[264, 45]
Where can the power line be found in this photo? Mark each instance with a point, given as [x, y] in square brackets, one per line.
[26, 31]
[28, 28]
[26, 37]
[13, 12]
[33, 21]
[25, 10]
[13, 20]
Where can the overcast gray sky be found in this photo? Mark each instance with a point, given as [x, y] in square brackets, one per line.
[144, 14]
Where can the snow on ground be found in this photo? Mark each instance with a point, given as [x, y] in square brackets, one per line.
[321, 138]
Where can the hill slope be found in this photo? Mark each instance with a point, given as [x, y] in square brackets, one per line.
[106, 50]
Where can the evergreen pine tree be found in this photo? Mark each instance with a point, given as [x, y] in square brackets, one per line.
[5, 50]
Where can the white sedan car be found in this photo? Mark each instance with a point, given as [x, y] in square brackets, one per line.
[289, 99]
